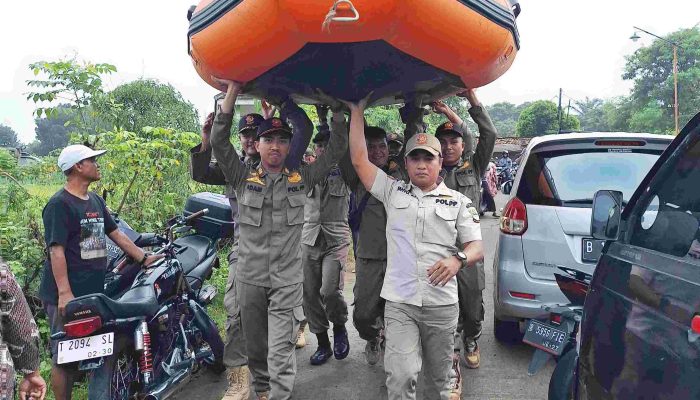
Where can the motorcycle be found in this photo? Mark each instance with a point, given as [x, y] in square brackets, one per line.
[147, 341]
[194, 251]
[506, 176]
[558, 336]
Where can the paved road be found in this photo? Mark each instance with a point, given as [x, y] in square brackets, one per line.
[502, 375]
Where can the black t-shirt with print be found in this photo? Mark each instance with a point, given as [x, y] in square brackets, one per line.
[81, 227]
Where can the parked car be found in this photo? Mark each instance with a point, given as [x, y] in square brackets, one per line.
[640, 335]
[546, 223]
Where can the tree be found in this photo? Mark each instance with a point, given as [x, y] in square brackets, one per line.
[648, 119]
[8, 137]
[135, 105]
[72, 83]
[541, 118]
[592, 115]
[651, 69]
[52, 133]
[505, 117]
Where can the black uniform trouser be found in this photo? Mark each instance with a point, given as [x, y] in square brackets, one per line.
[471, 282]
[368, 312]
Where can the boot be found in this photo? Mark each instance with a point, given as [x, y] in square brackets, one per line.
[238, 387]
[263, 395]
[455, 379]
[472, 356]
[301, 338]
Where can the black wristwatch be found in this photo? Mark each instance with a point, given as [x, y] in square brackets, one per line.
[143, 260]
[462, 257]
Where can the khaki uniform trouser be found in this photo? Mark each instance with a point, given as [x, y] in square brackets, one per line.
[234, 346]
[416, 337]
[368, 311]
[270, 320]
[471, 282]
[323, 284]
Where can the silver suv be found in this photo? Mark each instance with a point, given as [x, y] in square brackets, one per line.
[546, 222]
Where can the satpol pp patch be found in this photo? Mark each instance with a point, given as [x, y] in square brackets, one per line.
[474, 213]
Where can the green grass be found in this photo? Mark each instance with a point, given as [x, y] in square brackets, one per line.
[44, 191]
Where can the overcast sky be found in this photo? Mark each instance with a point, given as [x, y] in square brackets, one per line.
[576, 45]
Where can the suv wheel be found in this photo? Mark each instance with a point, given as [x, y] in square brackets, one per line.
[506, 331]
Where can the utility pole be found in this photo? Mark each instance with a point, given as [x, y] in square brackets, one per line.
[559, 110]
[675, 85]
[675, 45]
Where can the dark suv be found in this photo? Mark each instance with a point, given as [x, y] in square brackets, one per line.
[641, 326]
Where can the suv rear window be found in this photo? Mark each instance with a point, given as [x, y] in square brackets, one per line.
[571, 178]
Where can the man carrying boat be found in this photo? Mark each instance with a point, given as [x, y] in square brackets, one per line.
[325, 241]
[424, 220]
[462, 171]
[271, 214]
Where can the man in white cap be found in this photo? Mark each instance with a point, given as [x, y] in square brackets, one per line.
[75, 224]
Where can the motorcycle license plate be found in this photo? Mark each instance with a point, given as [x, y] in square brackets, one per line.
[545, 337]
[85, 348]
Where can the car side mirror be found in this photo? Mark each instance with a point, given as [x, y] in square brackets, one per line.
[607, 214]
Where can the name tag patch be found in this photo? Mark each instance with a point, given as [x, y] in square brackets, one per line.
[405, 191]
[254, 188]
[295, 189]
[446, 202]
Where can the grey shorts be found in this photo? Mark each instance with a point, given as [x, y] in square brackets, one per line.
[55, 320]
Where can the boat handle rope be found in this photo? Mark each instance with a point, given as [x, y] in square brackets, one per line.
[331, 16]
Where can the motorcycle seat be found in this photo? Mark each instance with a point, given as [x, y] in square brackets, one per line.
[195, 249]
[137, 302]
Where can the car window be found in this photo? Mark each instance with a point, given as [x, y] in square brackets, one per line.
[668, 220]
[571, 178]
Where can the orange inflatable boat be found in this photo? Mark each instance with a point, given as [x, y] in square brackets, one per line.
[347, 48]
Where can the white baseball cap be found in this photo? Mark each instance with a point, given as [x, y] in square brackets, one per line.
[74, 154]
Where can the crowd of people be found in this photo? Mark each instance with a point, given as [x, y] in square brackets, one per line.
[408, 205]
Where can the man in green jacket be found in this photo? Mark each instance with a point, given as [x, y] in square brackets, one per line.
[325, 242]
[271, 214]
[462, 170]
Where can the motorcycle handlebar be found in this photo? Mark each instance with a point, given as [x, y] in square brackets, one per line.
[198, 214]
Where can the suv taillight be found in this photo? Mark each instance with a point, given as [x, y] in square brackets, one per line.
[514, 218]
[83, 327]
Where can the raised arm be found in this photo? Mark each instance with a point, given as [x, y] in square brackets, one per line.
[366, 171]
[487, 133]
[231, 166]
[458, 122]
[317, 171]
[202, 169]
[412, 116]
[448, 112]
[303, 130]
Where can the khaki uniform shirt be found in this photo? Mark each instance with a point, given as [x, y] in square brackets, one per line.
[466, 176]
[326, 211]
[422, 228]
[271, 209]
